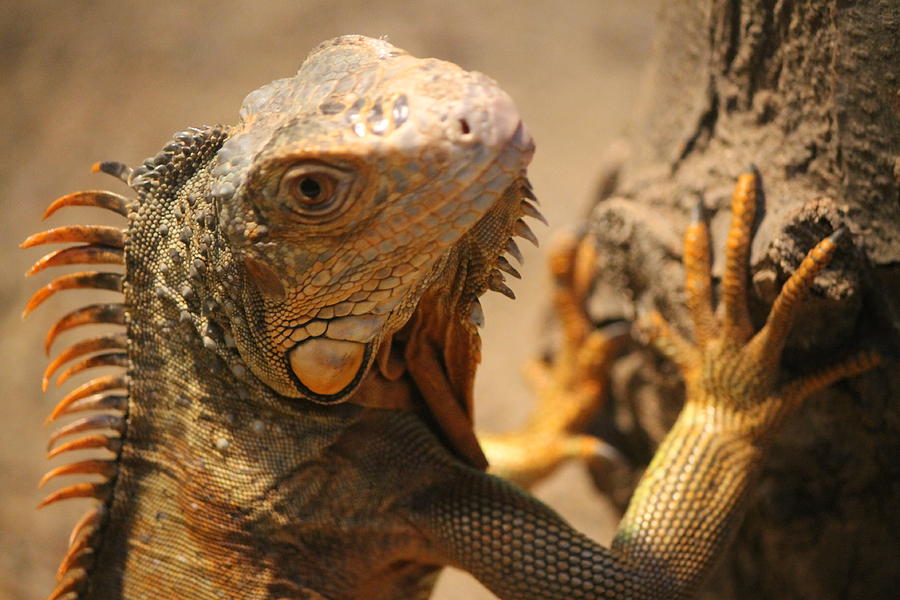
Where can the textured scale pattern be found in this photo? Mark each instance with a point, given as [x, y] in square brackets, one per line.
[300, 313]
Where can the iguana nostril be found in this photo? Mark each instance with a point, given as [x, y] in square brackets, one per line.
[464, 127]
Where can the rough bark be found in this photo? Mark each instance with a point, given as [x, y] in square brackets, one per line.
[806, 90]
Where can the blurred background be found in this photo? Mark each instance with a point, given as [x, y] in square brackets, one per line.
[112, 80]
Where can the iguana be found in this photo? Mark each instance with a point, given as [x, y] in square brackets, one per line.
[300, 339]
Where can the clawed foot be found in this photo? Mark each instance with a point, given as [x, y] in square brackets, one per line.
[570, 387]
[731, 375]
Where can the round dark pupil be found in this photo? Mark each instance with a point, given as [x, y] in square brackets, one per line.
[310, 188]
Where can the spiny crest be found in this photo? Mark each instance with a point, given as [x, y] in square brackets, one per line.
[496, 280]
[104, 396]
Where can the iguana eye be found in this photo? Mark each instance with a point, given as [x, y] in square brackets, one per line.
[314, 191]
[311, 189]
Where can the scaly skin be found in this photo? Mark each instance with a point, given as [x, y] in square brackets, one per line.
[270, 447]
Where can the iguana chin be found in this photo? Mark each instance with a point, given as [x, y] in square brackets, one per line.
[300, 311]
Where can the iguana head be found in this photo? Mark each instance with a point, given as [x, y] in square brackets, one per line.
[350, 190]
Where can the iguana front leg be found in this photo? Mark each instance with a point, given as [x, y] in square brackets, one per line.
[569, 387]
[690, 499]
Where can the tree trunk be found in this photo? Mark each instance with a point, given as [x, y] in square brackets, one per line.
[806, 90]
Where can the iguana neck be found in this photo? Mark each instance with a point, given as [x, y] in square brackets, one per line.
[191, 462]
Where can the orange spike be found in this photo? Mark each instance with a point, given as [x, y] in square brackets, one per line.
[88, 234]
[114, 168]
[100, 384]
[71, 584]
[85, 279]
[86, 523]
[98, 402]
[75, 557]
[110, 359]
[94, 466]
[109, 313]
[99, 491]
[101, 421]
[97, 440]
[79, 255]
[115, 341]
[98, 198]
